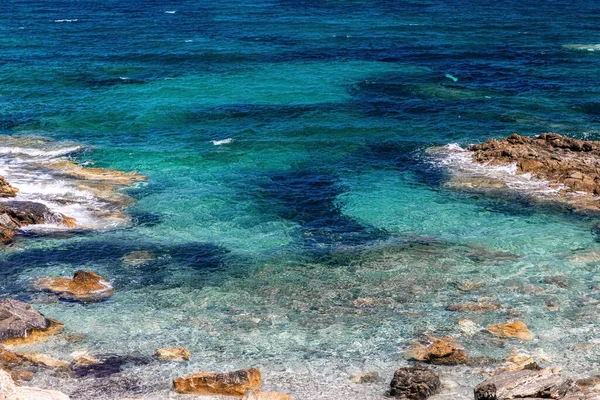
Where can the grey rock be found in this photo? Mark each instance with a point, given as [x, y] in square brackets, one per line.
[18, 318]
[546, 383]
[415, 383]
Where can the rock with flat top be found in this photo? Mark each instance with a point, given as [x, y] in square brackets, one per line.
[10, 391]
[219, 383]
[547, 383]
[85, 286]
[6, 190]
[173, 354]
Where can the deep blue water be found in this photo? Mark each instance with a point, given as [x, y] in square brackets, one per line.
[325, 193]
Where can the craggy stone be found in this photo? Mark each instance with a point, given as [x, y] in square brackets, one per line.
[173, 354]
[437, 351]
[546, 383]
[37, 335]
[85, 286]
[16, 214]
[365, 377]
[10, 391]
[558, 159]
[17, 319]
[219, 383]
[6, 190]
[516, 329]
[414, 383]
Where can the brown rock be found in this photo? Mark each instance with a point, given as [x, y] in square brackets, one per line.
[219, 383]
[10, 391]
[84, 286]
[173, 354]
[475, 306]
[37, 335]
[255, 394]
[6, 190]
[437, 351]
[364, 302]
[43, 360]
[516, 329]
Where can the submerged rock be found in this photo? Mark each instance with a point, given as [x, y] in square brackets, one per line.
[105, 365]
[137, 258]
[365, 377]
[255, 394]
[415, 383]
[84, 286]
[516, 329]
[546, 383]
[219, 383]
[173, 354]
[437, 351]
[474, 306]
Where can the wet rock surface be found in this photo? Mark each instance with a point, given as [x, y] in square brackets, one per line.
[415, 383]
[515, 329]
[6, 190]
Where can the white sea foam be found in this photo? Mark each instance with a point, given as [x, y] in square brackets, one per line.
[459, 162]
[170, 12]
[583, 47]
[221, 142]
[65, 20]
[25, 164]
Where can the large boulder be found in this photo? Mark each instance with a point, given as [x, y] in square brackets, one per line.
[85, 286]
[437, 351]
[10, 391]
[547, 383]
[415, 383]
[17, 214]
[219, 383]
[17, 319]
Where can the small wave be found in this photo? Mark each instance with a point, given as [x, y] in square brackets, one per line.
[170, 12]
[65, 20]
[583, 47]
[39, 152]
[221, 142]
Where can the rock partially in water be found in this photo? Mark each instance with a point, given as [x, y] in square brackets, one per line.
[173, 354]
[6, 190]
[43, 360]
[18, 319]
[437, 351]
[365, 377]
[474, 306]
[547, 383]
[415, 383]
[85, 286]
[515, 329]
[255, 394]
[219, 383]
[37, 335]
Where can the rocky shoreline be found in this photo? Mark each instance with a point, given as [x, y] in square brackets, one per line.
[548, 168]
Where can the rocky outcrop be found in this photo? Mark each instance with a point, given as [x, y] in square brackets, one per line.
[437, 351]
[17, 214]
[415, 383]
[547, 383]
[516, 329]
[219, 383]
[18, 319]
[6, 190]
[85, 286]
[10, 391]
[173, 354]
[255, 394]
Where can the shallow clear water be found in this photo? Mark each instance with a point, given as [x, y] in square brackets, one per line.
[324, 194]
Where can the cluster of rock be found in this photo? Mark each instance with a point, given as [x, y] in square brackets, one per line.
[571, 165]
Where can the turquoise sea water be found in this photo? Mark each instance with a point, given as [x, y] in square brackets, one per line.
[324, 193]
